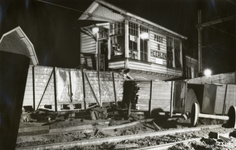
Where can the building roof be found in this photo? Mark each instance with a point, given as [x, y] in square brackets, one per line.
[95, 5]
[15, 41]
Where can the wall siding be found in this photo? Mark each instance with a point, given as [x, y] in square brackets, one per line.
[88, 44]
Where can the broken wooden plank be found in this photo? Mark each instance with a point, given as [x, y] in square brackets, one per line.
[168, 145]
[33, 130]
[125, 146]
[126, 125]
[75, 128]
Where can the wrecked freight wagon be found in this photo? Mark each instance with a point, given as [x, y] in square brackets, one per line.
[190, 100]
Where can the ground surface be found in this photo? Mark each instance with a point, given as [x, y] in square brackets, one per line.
[97, 129]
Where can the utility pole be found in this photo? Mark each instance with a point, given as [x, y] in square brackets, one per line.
[200, 26]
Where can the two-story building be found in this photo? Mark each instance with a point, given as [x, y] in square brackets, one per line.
[127, 41]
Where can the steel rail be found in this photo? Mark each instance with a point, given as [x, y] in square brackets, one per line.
[64, 145]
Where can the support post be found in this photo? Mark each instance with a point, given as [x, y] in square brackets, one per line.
[172, 98]
[33, 80]
[150, 100]
[224, 104]
[84, 93]
[114, 87]
[126, 39]
[55, 88]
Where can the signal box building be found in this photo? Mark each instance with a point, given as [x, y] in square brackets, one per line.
[122, 40]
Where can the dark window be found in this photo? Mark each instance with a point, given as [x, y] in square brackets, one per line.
[143, 50]
[117, 46]
[169, 52]
[117, 28]
[103, 32]
[177, 53]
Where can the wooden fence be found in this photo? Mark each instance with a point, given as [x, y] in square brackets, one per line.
[62, 89]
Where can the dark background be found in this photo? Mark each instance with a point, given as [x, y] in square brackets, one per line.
[54, 31]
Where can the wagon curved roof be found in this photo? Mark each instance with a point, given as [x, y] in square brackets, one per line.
[15, 41]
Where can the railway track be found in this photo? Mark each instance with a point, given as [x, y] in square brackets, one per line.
[118, 139]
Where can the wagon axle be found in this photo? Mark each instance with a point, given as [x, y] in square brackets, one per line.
[195, 114]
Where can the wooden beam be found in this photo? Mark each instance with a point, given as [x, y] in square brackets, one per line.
[210, 23]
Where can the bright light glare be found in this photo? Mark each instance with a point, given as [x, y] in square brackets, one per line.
[95, 30]
[144, 35]
[207, 72]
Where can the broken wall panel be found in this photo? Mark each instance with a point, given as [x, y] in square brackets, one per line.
[161, 95]
[158, 94]
[107, 90]
[220, 96]
[63, 87]
[119, 86]
[92, 76]
[28, 95]
[230, 97]
[44, 86]
[77, 85]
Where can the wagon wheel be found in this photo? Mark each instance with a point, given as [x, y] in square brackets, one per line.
[232, 117]
[194, 114]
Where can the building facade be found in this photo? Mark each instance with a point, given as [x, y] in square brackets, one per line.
[126, 41]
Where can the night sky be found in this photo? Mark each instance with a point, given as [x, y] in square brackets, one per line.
[54, 31]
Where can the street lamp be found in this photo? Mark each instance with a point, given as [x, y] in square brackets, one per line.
[207, 72]
[95, 30]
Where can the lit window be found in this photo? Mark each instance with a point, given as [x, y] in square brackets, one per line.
[133, 40]
[144, 44]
